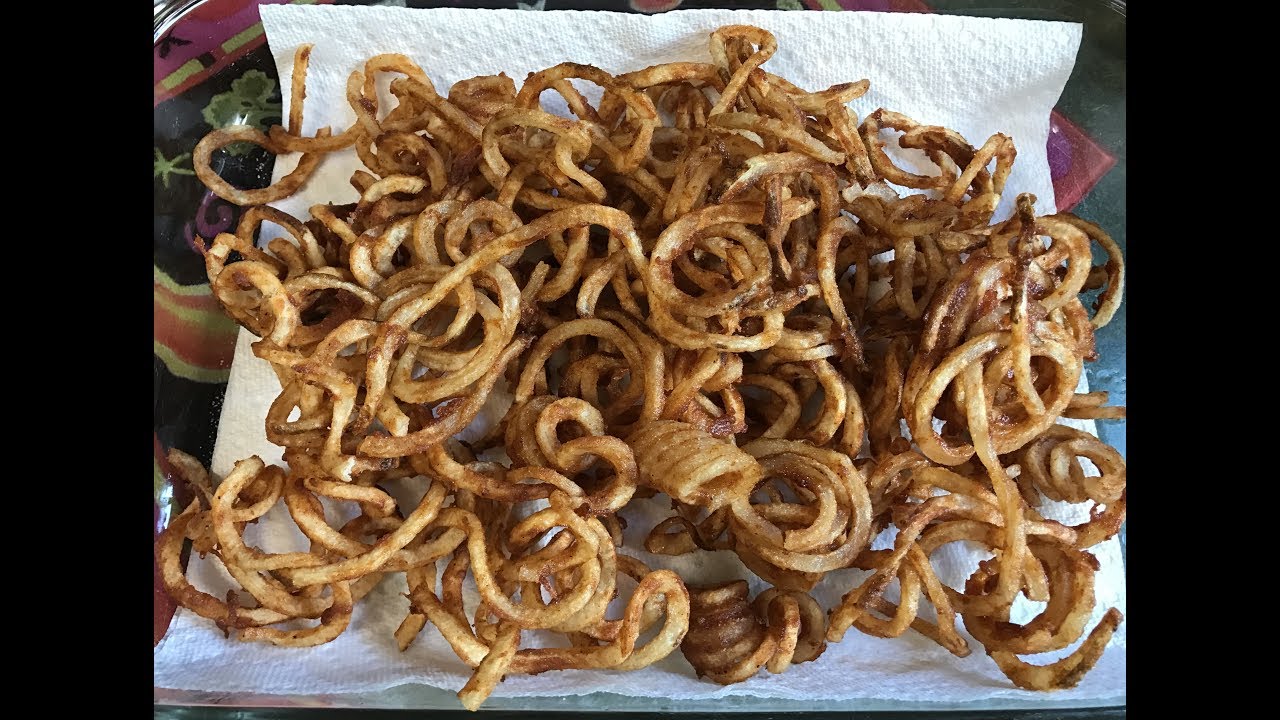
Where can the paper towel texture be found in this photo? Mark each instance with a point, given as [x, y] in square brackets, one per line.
[978, 76]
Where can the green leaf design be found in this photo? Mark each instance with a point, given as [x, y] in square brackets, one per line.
[254, 84]
[252, 100]
[789, 5]
[163, 167]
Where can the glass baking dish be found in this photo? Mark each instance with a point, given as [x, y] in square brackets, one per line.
[211, 65]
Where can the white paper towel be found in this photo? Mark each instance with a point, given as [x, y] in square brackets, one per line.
[978, 76]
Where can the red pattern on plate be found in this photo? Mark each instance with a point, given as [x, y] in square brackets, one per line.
[204, 31]
[1076, 161]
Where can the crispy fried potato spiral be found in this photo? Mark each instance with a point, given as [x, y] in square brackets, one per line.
[730, 640]
[691, 466]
